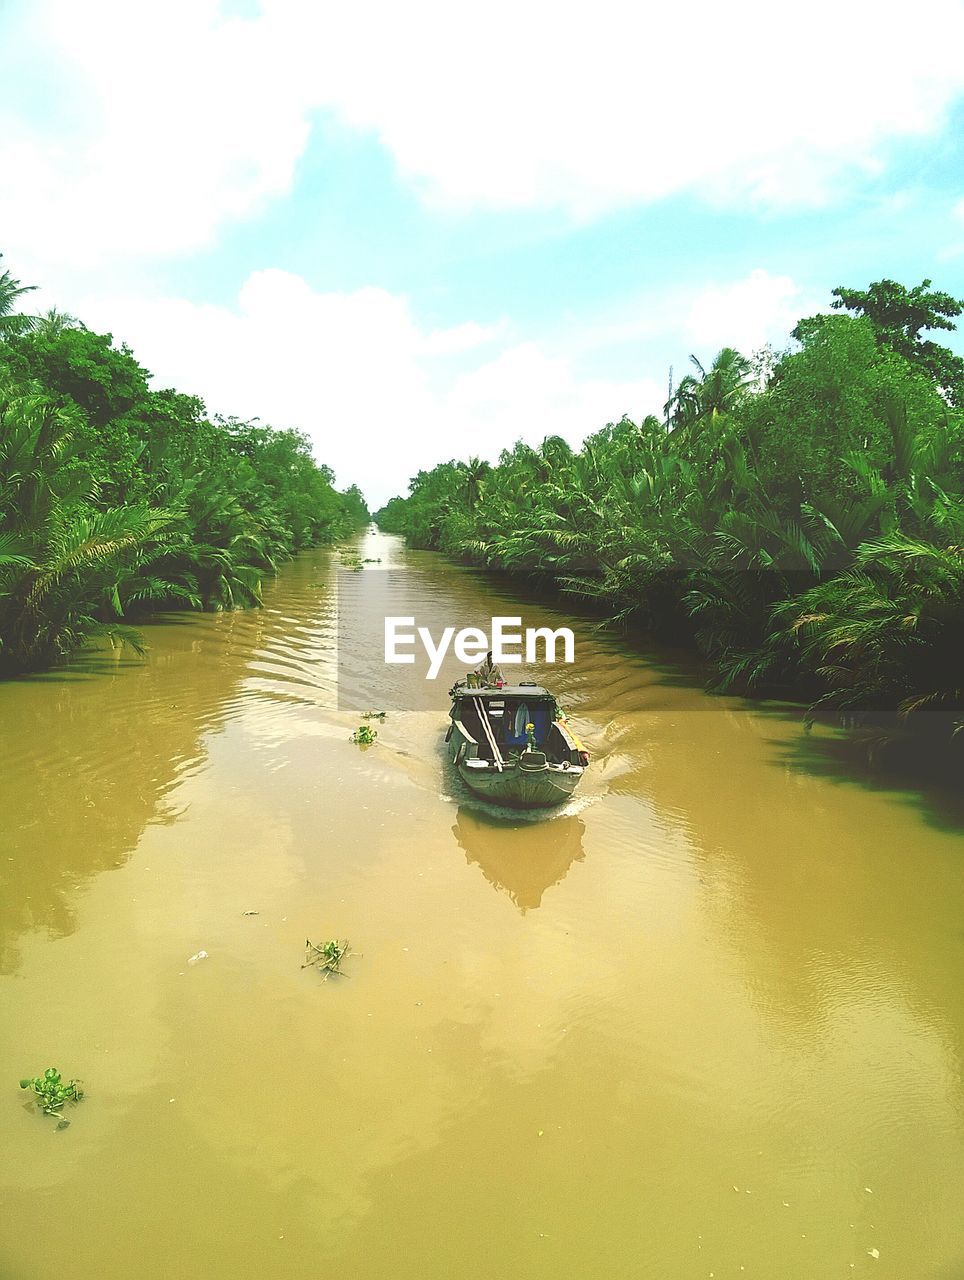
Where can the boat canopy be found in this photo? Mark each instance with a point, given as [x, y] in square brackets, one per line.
[532, 692]
[508, 711]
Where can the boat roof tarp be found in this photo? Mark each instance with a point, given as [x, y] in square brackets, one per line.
[507, 691]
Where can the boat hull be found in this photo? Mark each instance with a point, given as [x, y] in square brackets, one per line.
[520, 788]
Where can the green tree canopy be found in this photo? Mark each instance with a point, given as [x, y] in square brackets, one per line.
[115, 498]
[899, 316]
[801, 524]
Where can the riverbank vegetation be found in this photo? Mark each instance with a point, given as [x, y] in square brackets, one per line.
[797, 517]
[117, 499]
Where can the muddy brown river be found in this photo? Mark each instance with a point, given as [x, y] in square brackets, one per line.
[705, 1021]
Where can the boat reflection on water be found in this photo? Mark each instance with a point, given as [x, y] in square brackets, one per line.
[520, 858]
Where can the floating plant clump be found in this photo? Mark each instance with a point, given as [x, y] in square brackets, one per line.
[326, 957]
[52, 1092]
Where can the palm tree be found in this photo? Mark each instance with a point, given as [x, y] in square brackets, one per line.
[63, 562]
[11, 291]
[56, 597]
[846, 585]
[53, 323]
[712, 391]
[887, 632]
[474, 472]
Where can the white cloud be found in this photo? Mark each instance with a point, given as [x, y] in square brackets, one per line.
[669, 323]
[462, 337]
[357, 373]
[746, 313]
[536, 103]
[525, 392]
[154, 126]
[177, 125]
[365, 380]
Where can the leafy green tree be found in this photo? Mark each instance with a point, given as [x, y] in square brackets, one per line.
[899, 315]
[116, 498]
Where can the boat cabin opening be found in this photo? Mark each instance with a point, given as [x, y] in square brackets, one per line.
[508, 711]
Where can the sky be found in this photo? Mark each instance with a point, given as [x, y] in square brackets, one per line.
[424, 231]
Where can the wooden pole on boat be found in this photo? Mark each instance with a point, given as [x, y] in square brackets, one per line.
[484, 717]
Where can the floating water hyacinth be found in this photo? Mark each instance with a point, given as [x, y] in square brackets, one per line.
[51, 1093]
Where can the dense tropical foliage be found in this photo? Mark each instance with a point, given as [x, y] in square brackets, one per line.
[799, 518]
[115, 498]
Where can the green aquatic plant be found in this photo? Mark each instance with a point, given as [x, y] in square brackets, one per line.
[326, 957]
[364, 735]
[52, 1092]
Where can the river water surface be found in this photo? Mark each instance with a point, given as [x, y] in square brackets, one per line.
[706, 1021]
